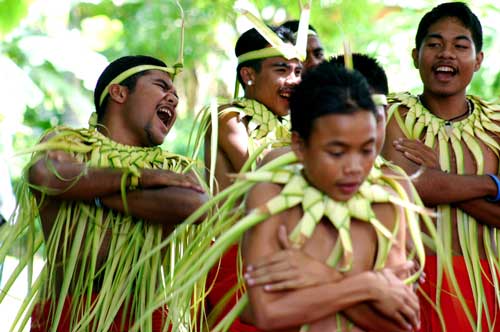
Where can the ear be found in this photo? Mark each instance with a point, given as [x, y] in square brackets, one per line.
[479, 60]
[298, 146]
[414, 55]
[247, 74]
[118, 93]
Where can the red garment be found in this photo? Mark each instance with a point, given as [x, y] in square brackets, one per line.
[453, 314]
[222, 278]
[41, 318]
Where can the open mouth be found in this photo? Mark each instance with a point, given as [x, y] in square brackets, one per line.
[445, 72]
[285, 93]
[166, 115]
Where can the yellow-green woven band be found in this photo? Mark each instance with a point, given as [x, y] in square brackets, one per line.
[268, 52]
[379, 99]
[131, 71]
[309, 33]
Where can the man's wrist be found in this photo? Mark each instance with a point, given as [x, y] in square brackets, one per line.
[368, 279]
[495, 196]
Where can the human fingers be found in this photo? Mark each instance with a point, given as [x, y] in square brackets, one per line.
[266, 261]
[417, 149]
[267, 269]
[413, 157]
[285, 285]
[154, 178]
[270, 278]
[400, 320]
[410, 315]
[391, 277]
[283, 237]
[402, 270]
[179, 180]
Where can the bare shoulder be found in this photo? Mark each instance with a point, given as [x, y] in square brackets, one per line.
[231, 116]
[387, 213]
[261, 193]
[232, 128]
[275, 153]
[262, 239]
[395, 110]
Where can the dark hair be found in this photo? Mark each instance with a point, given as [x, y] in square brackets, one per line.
[293, 25]
[252, 40]
[328, 89]
[457, 10]
[114, 69]
[370, 69]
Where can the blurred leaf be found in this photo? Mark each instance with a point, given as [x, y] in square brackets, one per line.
[11, 14]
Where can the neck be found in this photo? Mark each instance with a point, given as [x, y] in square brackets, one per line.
[447, 107]
[115, 129]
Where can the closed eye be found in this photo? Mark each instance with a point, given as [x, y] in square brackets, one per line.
[336, 154]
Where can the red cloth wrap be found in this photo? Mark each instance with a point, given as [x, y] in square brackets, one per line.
[453, 314]
[222, 278]
[41, 318]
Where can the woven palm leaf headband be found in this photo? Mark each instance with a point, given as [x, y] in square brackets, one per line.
[173, 71]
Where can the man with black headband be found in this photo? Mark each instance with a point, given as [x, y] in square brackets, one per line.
[108, 196]
[259, 119]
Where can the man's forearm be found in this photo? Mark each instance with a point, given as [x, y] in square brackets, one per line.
[71, 180]
[437, 187]
[307, 305]
[166, 206]
[365, 317]
[484, 212]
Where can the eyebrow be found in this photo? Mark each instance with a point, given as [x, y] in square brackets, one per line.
[166, 84]
[280, 64]
[334, 143]
[285, 65]
[439, 36]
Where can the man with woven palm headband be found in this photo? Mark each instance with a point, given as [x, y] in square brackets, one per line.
[260, 118]
[102, 192]
[124, 73]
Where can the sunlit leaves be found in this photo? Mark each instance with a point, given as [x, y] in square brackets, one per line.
[11, 14]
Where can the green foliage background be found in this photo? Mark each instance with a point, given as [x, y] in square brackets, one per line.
[59, 48]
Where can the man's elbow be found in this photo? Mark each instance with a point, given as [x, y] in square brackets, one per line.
[264, 319]
[38, 174]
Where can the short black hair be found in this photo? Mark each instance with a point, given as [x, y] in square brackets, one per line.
[252, 40]
[293, 25]
[370, 68]
[457, 10]
[114, 69]
[328, 89]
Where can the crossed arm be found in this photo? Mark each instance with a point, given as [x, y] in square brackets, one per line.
[438, 187]
[283, 297]
[67, 179]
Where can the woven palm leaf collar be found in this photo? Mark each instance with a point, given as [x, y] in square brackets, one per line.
[264, 127]
[480, 127]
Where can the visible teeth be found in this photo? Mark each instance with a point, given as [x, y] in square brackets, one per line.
[446, 69]
[165, 110]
